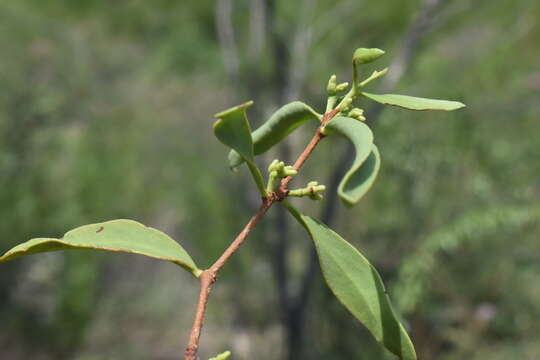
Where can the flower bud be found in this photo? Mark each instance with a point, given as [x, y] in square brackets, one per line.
[331, 87]
[342, 86]
[357, 114]
[272, 166]
[347, 104]
[289, 171]
[364, 56]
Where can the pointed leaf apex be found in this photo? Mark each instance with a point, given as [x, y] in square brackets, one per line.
[243, 106]
[232, 129]
[414, 103]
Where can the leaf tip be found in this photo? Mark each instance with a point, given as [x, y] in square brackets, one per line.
[459, 105]
[243, 106]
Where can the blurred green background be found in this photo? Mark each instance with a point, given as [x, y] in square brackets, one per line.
[106, 110]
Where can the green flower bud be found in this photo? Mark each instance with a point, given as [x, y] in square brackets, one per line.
[342, 86]
[357, 114]
[272, 166]
[331, 88]
[364, 56]
[278, 169]
[347, 104]
[289, 171]
[312, 190]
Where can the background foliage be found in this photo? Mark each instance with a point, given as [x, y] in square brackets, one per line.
[105, 112]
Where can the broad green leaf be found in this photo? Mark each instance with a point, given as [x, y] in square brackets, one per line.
[414, 103]
[365, 167]
[358, 286]
[117, 236]
[284, 121]
[232, 129]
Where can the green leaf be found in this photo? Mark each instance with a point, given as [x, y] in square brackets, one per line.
[357, 183]
[232, 129]
[223, 356]
[358, 286]
[284, 121]
[365, 167]
[414, 103]
[117, 236]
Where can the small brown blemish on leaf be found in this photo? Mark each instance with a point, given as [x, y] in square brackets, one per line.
[100, 229]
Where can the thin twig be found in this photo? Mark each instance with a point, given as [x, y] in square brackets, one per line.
[209, 276]
[310, 147]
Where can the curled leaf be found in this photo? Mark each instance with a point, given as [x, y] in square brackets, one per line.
[232, 129]
[414, 103]
[357, 183]
[117, 236]
[365, 167]
[284, 121]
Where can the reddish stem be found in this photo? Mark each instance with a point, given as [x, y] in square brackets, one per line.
[208, 277]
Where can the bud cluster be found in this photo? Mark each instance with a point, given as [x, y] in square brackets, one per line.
[312, 190]
[281, 170]
[357, 114]
[333, 88]
[278, 170]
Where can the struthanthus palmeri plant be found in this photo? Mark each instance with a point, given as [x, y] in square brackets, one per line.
[350, 276]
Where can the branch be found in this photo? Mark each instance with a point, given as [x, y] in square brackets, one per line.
[209, 276]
